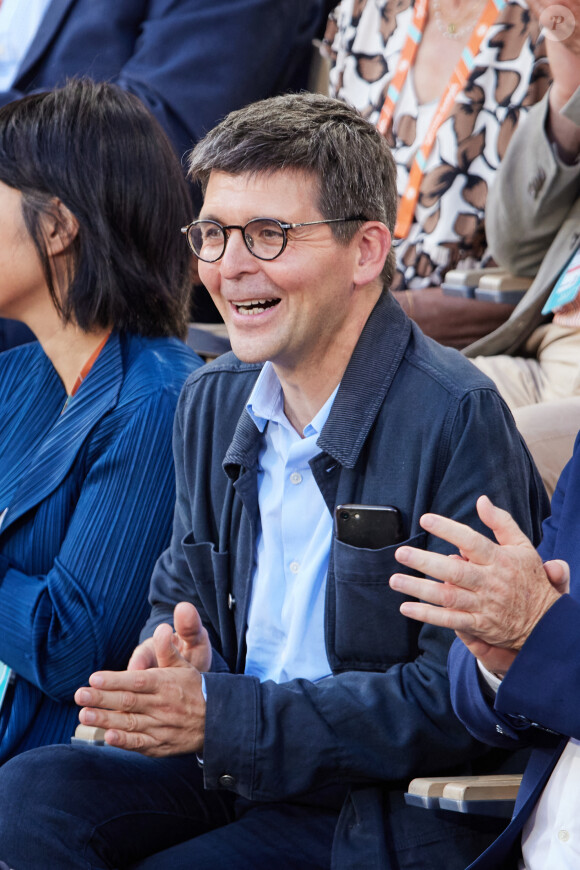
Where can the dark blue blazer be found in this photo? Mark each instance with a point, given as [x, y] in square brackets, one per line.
[537, 703]
[190, 61]
[86, 498]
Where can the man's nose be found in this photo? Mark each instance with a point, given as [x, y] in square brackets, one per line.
[236, 257]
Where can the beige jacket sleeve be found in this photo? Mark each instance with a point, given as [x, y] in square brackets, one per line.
[532, 222]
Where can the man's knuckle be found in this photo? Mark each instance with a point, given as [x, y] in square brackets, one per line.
[131, 722]
[448, 596]
[140, 678]
[127, 700]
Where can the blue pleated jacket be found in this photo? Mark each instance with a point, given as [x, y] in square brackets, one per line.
[86, 500]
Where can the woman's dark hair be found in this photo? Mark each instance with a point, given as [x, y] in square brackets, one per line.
[98, 149]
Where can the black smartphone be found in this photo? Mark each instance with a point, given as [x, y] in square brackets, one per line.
[371, 526]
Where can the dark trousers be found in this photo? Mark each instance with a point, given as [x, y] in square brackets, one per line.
[68, 807]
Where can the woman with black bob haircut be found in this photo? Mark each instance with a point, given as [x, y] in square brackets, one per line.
[92, 198]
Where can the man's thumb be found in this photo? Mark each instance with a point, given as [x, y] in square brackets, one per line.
[558, 573]
[187, 622]
[166, 653]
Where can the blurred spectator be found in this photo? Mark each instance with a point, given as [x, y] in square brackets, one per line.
[533, 219]
[92, 197]
[397, 78]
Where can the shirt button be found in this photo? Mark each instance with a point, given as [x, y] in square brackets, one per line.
[231, 601]
[295, 478]
[294, 567]
[563, 836]
[226, 780]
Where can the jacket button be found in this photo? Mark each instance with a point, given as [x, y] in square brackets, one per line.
[231, 601]
[226, 780]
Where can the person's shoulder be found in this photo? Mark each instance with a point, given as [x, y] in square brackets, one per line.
[225, 375]
[445, 367]
[24, 358]
[213, 399]
[151, 364]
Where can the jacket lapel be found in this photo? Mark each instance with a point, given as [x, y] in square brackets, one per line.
[98, 394]
[363, 387]
[47, 30]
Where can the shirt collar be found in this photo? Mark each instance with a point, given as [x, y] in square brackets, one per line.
[266, 403]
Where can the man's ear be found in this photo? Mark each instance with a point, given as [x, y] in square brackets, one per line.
[60, 228]
[374, 244]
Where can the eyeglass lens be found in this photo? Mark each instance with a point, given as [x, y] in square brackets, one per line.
[264, 237]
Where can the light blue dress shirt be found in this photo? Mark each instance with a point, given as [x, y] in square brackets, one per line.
[19, 23]
[285, 633]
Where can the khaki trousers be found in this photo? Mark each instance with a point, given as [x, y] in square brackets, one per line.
[542, 389]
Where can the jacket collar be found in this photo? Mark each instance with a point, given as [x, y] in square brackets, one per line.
[365, 383]
[53, 460]
[49, 25]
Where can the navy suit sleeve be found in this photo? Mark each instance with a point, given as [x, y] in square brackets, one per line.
[540, 689]
[85, 612]
[196, 61]
[190, 61]
[371, 726]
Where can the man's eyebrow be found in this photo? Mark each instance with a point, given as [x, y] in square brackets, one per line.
[257, 217]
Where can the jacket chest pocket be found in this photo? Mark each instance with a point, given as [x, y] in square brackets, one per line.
[368, 632]
[210, 572]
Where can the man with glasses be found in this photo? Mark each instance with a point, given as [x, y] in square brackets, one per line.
[279, 703]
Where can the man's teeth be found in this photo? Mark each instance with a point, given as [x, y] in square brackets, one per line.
[255, 306]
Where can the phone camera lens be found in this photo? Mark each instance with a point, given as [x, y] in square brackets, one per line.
[345, 515]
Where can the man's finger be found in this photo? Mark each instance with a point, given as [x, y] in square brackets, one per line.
[125, 700]
[458, 620]
[471, 544]
[132, 722]
[501, 523]
[143, 743]
[457, 571]
[431, 592]
[143, 657]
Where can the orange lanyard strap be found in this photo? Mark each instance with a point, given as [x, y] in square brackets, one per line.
[456, 83]
[88, 365]
[406, 61]
[85, 369]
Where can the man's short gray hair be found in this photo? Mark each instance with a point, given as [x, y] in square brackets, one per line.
[351, 161]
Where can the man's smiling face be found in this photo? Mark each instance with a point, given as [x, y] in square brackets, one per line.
[293, 309]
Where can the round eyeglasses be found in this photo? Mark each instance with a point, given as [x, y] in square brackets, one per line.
[265, 238]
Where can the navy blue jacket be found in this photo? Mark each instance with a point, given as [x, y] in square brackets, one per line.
[190, 61]
[543, 684]
[86, 499]
[413, 425]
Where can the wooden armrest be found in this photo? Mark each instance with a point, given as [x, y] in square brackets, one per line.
[504, 282]
[492, 795]
[483, 788]
[89, 734]
[463, 282]
[428, 786]
[502, 288]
